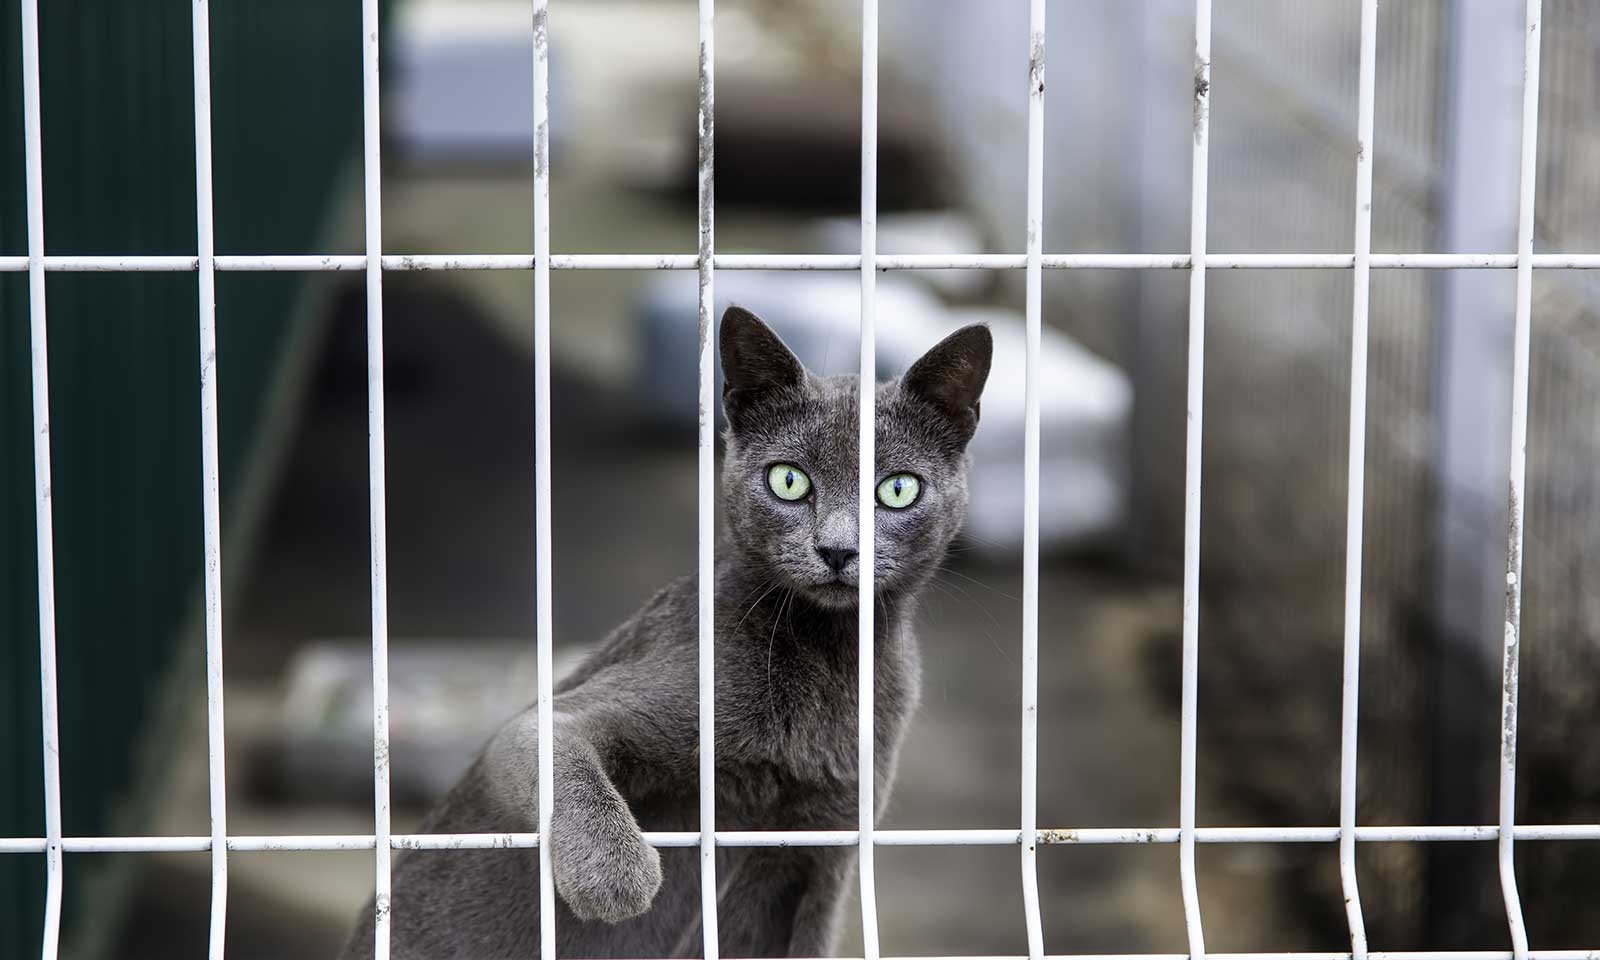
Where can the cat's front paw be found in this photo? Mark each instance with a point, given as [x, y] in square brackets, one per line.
[603, 868]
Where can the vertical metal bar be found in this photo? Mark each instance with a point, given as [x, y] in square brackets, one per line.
[866, 493]
[371, 138]
[541, 389]
[1471, 335]
[43, 524]
[706, 533]
[1356, 508]
[1519, 472]
[1030, 491]
[210, 495]
[1191, 478]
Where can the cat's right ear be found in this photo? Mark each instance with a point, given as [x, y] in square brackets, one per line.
[756, 366]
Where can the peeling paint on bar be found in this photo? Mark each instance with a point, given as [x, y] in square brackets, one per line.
[1518, 474]
[543, 555]
[1108, 836]
[706, 481]
[1194, 406]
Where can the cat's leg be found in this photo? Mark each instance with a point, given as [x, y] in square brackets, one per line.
[603, 868]
[777, 903]
[758, 890]
[816, 918]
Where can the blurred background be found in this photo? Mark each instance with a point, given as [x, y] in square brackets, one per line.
[118, 153]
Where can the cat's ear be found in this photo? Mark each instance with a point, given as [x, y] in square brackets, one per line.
[755, 364]
[951, 376]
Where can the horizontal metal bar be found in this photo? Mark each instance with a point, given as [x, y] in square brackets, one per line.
[816, 838]
[336, 263]
[1375, 955]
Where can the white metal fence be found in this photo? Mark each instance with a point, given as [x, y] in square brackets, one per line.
[1026, 836]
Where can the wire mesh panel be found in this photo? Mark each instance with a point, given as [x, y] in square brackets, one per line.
[1312, 270]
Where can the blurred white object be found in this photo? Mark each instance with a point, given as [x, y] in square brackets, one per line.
[927, 231]
[463, 81]
[1085, 411]
[1085, 402]
[816, 314]
[447, 697]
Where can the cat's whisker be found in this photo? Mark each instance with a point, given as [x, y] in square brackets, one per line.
[890, 617]
[765, 582]
[969, 535]
[771, 583]
[948, 587]
[945, 588]
[975, 580]
[772, 643]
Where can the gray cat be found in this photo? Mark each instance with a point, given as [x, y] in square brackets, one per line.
[626, 720]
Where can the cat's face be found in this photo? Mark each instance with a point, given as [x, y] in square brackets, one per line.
[790, 476]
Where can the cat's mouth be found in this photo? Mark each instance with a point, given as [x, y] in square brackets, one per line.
[835, 592]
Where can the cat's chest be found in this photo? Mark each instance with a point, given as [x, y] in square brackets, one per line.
[791, 724]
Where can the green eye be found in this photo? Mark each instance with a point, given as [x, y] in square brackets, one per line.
[899, 491]
[788, 481]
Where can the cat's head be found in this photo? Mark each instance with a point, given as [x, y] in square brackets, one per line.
[790, 476]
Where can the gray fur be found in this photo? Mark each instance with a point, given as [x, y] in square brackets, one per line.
[626, 720]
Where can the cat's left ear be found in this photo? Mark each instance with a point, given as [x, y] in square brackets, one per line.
[756, 366]
[951, 375]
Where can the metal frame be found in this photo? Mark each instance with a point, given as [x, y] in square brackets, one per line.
[33, 163]
[707, 481]
[335, 263]
[372, 197]
[1194, 407]
[866, 498]
[1197, 261]
[1357, 480]
[1034, 283]
[211, 495]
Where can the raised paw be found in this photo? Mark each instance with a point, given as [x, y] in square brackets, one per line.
[603, 868]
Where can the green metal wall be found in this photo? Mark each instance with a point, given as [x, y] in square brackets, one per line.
[119, 179]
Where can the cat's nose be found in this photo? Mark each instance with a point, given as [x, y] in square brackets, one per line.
[836, 557]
